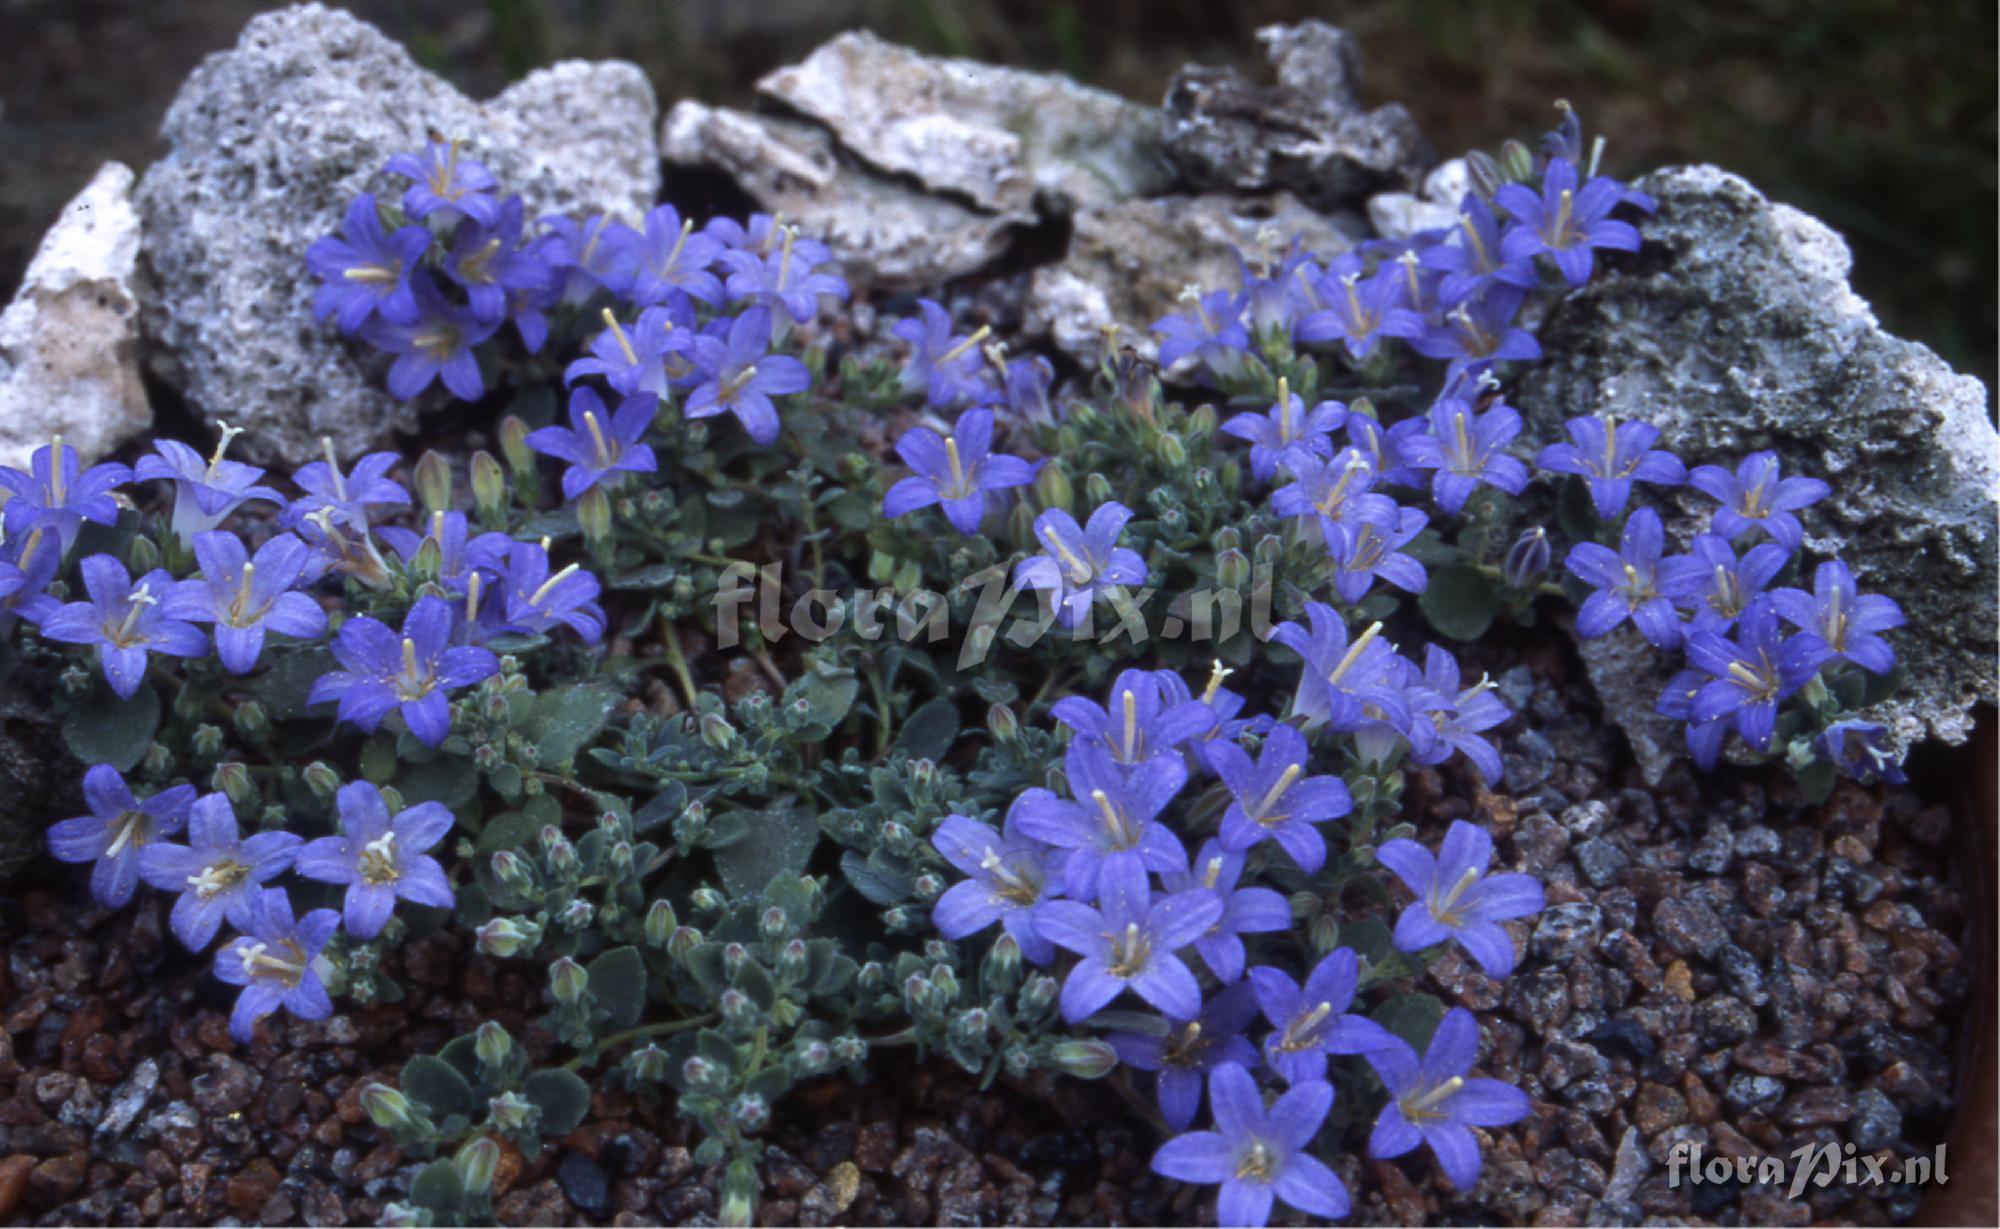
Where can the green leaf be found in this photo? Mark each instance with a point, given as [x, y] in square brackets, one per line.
[1414, 1017]
[561, 1095]
[878, 880]
[568, 717]
[1368, 937]
[782, 842]
[828, 697]
[447, 779]
[438, 1085]
[752, 979]
[107, 730]
[770, 1083]
[717, 1049]
[1459, 602]
[618, 983]
[283, 689]
[509, 830]
[1816, 781]
[929, 732]
[438, 1187]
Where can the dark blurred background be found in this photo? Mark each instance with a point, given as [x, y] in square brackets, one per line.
[1876, 115]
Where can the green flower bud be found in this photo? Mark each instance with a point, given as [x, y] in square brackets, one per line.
[622, 869]
[1270, 549]
[156, 761]
[576, 914]
[681, 943]
[650, 1064]
[872, 978]
[489, 487]
[928, 887]
[392, 798]
[920, 998]
[388, 1108]
[433, 482]
[1097, 489]
[750, 1113]
[251, 720]
[510, 1111]
[141, 555]
[207, 741]
[428, 563]
[897, 838]
[738, 1011]
[717, 732]
[506, 936]
[733, 956]
[1000, 970]
[793, 960]
[774, 924]
[1516, 163]
[568, 981]
[660, 923]
[707, 900]
[593, 516]
[1039, 994]
[1002, 722]
[1203, 421]
[476, 1163]
[1086, 1060]
[514, 447]
[813, 1057]
[491, 1042]
[1173, 453]
[946, 983]
[1484, 172]
[847, 1048]
[969, 1027]
[1232, 569]
[701, 1074]
[231, 777]
[512, 871]
[1052, 488]
[739, 1195]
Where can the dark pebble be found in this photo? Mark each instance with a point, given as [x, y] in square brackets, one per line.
[585, 1184]
[1601, 861]
[1623, 1037]
[1711, 854]
[1566, 932]
[1529, 760]
[1753, 1092]
[1757, 842]
[1689, 926]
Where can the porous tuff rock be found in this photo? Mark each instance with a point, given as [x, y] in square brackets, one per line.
[1737, 331]
[69, 342]
[268, 143]
[1128, 263]
[1000, 139]
[1309, 134]
[883, 232]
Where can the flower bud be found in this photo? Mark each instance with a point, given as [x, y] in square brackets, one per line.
[1002, 722]
[1232, 569]
[872, 978]
[392, 798]
[733, 956]
[433, 482]
[561, 854]
[717, 732]
[512, 871]
[738, 1011]
[1052, 487]
[251, 720]
[750, 1113]
[774, 924]
[969, 1027]
[1086, 1060]
[621, 862]
[649, 1064]
[389, 1109]
[399, 1215]
[900, 920]
[322, 780]
[593, 516]
[701, 1074]
[946, 983]
[928, 887]
[1270, 548]
[937, 951]
[428, 564]
[919, 996]
[1484, 173]
[1000, 969]
[897, 838]
[568, 981]
[491, 1042]
[489, 487]
[576, 914]
[141, 555]
[156, 760]
[514, 447]
[1173, 453]
[707, 900]
[476, 1163]
[510, 1111]
[1097, 489]
[1018, 1061]
[814, 1057]
[207, 741]
[505, 936]
[1203, 420]
[232, 777]
[848, 1048]
[793, 960]
[681, 943]
[1528, 559]
[739, 1195]
[660, 923]
[1516, 162]
[1039, 993]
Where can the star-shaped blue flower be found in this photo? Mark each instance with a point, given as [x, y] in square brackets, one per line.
[124, 621]
[1457, 899]
[956, 471]
[600, 446]
[1433, 1100]
[740, 376]
[383, 672]
[380, 859]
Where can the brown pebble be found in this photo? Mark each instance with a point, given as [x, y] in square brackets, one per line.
[1680, 982]
[59, 1176]
[14, 1173]
[252, 1186]
[844, 1183]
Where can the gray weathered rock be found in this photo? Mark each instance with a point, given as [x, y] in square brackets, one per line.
[1739, 332]
[1309, 134]
[998, 138]
[69, 342]
[268, 143]
[1128, 263]
[1398, 215]
[882, 231]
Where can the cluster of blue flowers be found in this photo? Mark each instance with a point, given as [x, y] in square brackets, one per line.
[1102, 874]
[432, 279]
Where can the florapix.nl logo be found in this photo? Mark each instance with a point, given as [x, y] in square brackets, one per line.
[1815, 1165]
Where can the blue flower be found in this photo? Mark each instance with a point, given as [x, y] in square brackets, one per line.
[446, 184]
[1286, 425]
[1210, 332]
[947, 369]
[1225, 704]
[367, 269]
[1847, 619]
[1312, 1021]
[1564, 222]
[1753, 673]
[436, 346]
[1332, 491]
[1139, 721]
[673, 259]
[384, 672]
[1467, 449]
[1344, 685]
[1713, 583]
[783, 279]
[1080, 565]
[1704, 739]
[956, 470]
[1025, 386]
[1457, 899]
[345, 497]
[1357, 313]
[380, 859]
[218, 874]
[649, 357]
[1190, 1049]
[460, 555]
[1111, 829]
[1452, 719]
[741, 376]
[1258, 1155]
[490, 263]
[204, 491]
[599, 253]
[1756, 497]
[273, 962]
[1433, 1101]
[117, 831]
[532, 601]
[1479, 332]
[245, 597]
[1610, 459]
[1369, 545]
[1474, 262]
[1273, 799]
[1130, 943]
[1383, 448]
[1245, 911]
[601, 447]
[55, 496]
[124, 621]
[27, 565]
[1010, 874]
[1627, 582]
[1855, 747]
